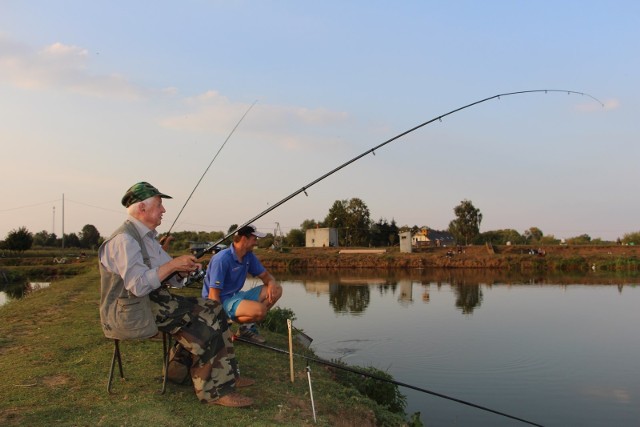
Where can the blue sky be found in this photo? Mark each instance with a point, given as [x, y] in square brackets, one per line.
[96, 96]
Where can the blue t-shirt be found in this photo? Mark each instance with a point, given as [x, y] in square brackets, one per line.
[227, 273]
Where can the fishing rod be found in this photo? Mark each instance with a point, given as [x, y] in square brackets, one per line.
[200, 253]
[379, 378]
[210, 163]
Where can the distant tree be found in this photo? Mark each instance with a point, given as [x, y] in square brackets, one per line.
[353, 217]
[266, 241]
[533, 235]
[583, 239]
[295, 238]
[500, 237]
[19, 240]
[232, 228]
[309, 224]
[383, 233]
[44, 238]
[466, 226]
[377, 232]
[72, 241]
[337, 216]
[631, 238]
[89, 237]
[393, 232]
[549, 239]
[599, 241]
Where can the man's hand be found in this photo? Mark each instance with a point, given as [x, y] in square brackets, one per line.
[274, 292]
[185, 264]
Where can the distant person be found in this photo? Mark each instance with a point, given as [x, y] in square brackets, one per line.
[133, 264]
[225, 278]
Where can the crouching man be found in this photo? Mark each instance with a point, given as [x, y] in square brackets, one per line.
[225, 278]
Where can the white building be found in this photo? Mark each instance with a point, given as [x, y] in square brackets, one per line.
[321, 237]
[405, 242]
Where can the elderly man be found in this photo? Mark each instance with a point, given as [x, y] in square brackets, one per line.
[225, 278]
[134, 267]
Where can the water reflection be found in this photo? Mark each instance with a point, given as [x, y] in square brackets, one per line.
[555, 349]
[468, 297]
[13, 291]
[349, 299]
[350, 290]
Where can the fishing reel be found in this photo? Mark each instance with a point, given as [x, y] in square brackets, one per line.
[193, 277]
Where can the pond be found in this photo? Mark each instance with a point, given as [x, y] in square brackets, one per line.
[12, 291]
[554, 351]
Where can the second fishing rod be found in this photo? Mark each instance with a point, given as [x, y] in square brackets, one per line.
[304, 189]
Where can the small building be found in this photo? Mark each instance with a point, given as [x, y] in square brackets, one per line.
[321, 237]
[421, 237]
[405, 242]
[429, 237]
[425, 237]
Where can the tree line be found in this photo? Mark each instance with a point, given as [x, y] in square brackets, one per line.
[350, 217]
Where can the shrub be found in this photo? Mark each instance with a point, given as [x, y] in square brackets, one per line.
[276, 320]
[382, 392]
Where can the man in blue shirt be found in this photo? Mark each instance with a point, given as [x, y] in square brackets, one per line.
[225, 278]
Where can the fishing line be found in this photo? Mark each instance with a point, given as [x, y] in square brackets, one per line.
[379, 378]
[372, 151]
[210, 163]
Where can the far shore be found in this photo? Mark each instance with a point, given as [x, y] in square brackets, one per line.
[511, 257]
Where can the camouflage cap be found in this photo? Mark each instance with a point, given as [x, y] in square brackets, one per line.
[139, 192]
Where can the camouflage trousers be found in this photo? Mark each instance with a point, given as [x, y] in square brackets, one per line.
[201, 327]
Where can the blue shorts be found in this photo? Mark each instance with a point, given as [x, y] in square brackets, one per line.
[231, 304]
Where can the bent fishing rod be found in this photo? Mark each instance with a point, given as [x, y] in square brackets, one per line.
[304, 189]
[210, 163]
[379, 378]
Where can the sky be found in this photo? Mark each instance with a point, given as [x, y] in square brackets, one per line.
[96, 96]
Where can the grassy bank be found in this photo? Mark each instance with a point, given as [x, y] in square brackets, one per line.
[515, 258]
[55, 361]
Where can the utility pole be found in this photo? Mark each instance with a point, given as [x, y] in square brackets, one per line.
[62, 220]
[277, 238]
[53, 224]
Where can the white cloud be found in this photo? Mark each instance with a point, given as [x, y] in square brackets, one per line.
[171, 91]
[611, 104]
[288, 127]
[63, 51]
[59, 66]
[597, 105]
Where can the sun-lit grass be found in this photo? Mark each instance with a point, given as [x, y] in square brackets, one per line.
[54, 362]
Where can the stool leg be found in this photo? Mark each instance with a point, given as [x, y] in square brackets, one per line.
[166, 346]
[116, 356]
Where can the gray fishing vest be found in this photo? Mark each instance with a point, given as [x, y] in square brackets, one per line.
[122, 314]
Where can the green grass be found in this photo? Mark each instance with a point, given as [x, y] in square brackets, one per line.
[54, 362]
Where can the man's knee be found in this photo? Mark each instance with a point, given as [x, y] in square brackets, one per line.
[261, 313]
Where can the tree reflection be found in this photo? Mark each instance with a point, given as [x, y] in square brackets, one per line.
[350, 290]
[468, 297]
[15, 290]
[349, 299]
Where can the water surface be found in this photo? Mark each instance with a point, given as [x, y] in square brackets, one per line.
[555, 351]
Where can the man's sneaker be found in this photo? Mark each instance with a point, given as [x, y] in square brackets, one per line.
[250, 334]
